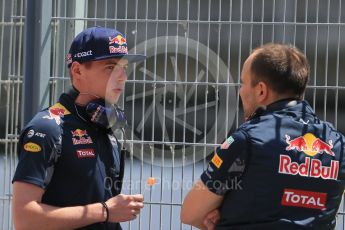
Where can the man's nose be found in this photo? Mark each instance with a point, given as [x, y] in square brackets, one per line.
[120, 75]
[123, 75]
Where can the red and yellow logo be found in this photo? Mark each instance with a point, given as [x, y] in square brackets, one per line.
[118, 45]
[58, 110]
[80, 137]
[118, 40]
[309, 144]
[32, 147]
[79, 133]
[216, 160]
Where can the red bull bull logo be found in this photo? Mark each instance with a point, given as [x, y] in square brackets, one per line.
[57, 112]
[322, 147]
[298, 143]
[79, 133]
[119, 40]
[118, 44]
[80, 137]
[310, 145]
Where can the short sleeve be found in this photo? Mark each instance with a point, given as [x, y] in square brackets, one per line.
[227, 165]
[35, 149]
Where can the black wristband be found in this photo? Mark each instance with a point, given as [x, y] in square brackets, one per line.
[106, 210]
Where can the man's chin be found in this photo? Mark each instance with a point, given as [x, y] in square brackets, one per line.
[112, 100]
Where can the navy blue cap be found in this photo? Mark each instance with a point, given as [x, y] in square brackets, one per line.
[98, 43]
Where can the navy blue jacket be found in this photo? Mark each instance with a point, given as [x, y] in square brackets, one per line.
[282, 169]
[73, 160]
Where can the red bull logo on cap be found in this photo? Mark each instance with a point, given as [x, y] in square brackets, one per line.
[118, 44]
[311, 146]
[119, 40]
[80, 137]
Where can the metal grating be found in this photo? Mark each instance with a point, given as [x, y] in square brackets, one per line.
[11, 62]
[183, 100]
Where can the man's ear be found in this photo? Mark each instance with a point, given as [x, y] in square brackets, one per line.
[261, 91]
[76, 70]
[76, 74]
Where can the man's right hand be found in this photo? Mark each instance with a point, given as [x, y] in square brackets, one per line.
[124, 207]
[30, 213]
[212, 219]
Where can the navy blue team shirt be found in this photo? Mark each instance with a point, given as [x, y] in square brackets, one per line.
[282, 169]
[72, 159]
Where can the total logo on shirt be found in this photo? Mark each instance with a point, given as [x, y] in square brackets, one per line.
[80, 137]
[85, 153]
[304, 199]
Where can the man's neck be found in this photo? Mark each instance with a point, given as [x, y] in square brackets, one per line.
[84, 99]
[279, 98]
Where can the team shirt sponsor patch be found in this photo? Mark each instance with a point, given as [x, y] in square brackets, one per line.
[310, 168]
[80, 137]
[227, 143]
[216, 160]
[56, 112]
[32, 147]
[310, 146]
[85, 153]
[32, 133]
[304, 199]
